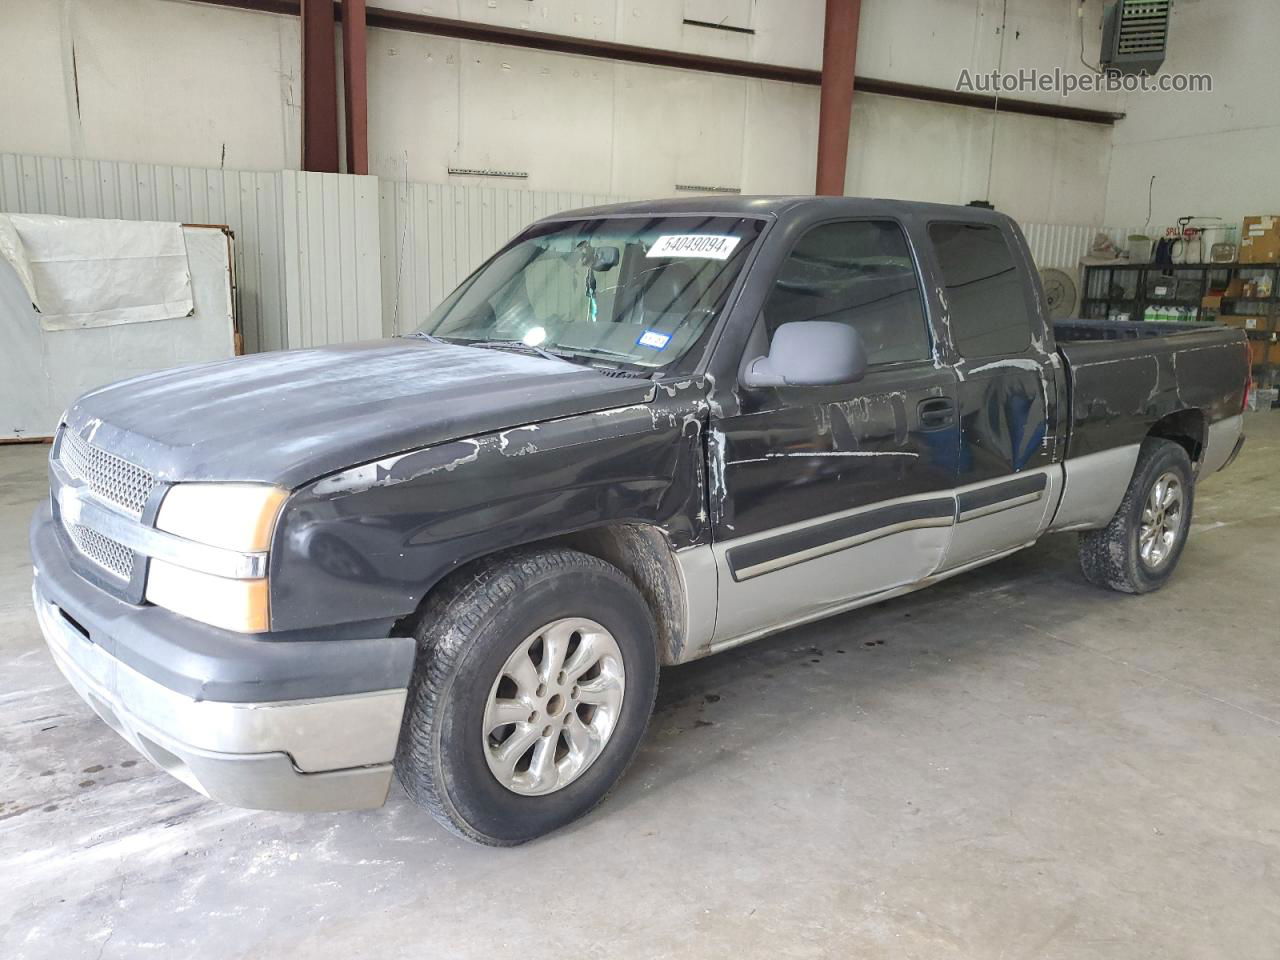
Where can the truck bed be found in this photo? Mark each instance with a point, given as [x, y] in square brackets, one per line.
[1123, 377]
[1077, 329]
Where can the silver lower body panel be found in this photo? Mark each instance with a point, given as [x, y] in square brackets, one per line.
[1222, 443]
[1095, 485]
[331, 753]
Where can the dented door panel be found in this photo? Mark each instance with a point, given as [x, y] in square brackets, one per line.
[823, 494]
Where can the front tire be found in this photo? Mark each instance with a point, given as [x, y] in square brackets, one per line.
[534, 681]
[1139, 549]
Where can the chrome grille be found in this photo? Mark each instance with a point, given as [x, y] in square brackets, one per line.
[109, 477]
[113, 557]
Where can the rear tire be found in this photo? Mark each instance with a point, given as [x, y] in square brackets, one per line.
[1139, 549]
[487, 625]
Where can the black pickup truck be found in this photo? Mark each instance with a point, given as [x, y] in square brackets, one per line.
[637, 435]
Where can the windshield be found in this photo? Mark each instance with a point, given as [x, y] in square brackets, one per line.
[640, 291]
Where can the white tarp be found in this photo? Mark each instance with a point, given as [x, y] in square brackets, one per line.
[12, 250]
[98, 273]
[42, 371]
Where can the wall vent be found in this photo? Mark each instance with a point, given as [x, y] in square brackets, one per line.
[1135, 34]
[699, 188]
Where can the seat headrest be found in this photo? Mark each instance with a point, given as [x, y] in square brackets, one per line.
[675, 288]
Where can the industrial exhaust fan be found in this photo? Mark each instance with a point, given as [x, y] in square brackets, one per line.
[1135, 34]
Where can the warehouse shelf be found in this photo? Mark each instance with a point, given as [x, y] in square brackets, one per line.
[1135, 292]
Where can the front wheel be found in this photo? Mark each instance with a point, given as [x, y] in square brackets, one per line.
[535, 677]
[1139, 549]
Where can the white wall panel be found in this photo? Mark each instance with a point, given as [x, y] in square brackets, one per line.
[1042, 170]
[1058, 245]
[205, 86]
[187, 84]
[333, 292]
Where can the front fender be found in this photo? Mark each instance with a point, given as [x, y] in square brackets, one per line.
[370, 542]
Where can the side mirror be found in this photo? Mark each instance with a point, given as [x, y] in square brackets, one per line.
[809, 353]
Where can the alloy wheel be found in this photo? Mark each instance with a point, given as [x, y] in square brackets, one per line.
[1161, 521]
[553, 706]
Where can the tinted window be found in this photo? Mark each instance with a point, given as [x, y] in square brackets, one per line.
[985, 296]
[859, 272]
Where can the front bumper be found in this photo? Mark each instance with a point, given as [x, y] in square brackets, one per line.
[300, 752]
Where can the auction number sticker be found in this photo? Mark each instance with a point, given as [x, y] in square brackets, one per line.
[707, 246]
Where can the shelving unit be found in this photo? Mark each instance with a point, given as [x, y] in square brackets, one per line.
[1140, 291]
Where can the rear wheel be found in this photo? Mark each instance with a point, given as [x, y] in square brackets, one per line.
[1139, 549]
[535, 678]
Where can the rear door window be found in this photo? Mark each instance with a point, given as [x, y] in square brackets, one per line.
[985, 296]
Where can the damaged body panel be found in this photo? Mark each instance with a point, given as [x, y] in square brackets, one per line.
[287, 418]
[607, 384]
[1123, 379]
[373, 540]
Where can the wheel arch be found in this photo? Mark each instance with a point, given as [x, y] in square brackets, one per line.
[1187, 428]
[641, 551]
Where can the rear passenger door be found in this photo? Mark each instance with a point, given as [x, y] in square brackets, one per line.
[822, 495]
[1007, 482]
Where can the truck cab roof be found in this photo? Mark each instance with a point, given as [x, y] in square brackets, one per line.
[771, 207]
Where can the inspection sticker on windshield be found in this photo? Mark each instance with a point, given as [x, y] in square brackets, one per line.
[654, 340]
[708, 246]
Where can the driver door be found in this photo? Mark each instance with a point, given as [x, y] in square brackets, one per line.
[827, 495]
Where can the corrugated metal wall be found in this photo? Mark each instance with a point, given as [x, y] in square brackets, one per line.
[1062, 245]
[327, 258]
[249, 203]
[333, 293]
[1058, 245]
[434, 235]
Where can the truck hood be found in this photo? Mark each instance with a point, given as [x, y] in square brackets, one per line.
[290, 417]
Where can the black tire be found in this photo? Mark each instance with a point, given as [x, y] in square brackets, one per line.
[467, 630]
[1110, 557]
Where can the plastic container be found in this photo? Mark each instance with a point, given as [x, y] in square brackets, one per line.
[1263, 398]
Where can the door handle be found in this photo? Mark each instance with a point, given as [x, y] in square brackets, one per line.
[936, 412]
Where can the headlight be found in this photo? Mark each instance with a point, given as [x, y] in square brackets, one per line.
[236, 516]
[239, 605]
[231, 516]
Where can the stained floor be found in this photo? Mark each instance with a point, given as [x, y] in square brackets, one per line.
[1011, 764]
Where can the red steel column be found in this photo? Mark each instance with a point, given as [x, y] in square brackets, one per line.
[319, 88]
[356, 86]
[839, 50]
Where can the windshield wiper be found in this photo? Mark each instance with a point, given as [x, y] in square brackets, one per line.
[606, 352]
[577, 356]
[520, 346]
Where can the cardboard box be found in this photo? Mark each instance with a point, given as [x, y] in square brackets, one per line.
[1264, 351]
[1212, 302]
[1246, 323]
[1235, 288]
[1260, 240]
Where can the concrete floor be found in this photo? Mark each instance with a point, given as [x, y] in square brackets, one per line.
[1012, 764]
